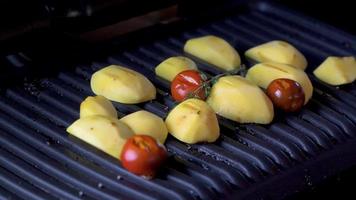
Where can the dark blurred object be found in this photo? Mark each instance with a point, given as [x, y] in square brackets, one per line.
[75, 16]
[16, 12]
[66, 25]
[34, 33]
[19, 17]
[91, 14]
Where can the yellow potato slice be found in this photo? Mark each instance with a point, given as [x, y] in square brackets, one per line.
[193, 121]
[105, 133]
[97, 105]
[238, 99]
[146, 123]
[279, 52]
[122, 85]
[214, 50]
[169, 68]
[337, 70]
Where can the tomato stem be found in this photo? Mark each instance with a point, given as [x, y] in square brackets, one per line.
[206, 85]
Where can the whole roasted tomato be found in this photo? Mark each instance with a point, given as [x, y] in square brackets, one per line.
[286, 94]
[143, 155]
[186, 83]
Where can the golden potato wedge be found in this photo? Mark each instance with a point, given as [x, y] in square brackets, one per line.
[146, 123]
[169, 68]
[337, 70]
[264, 73]
[97, 105]
[193, 121]
[122, 85]
[105, 133]
[238, 99]
[214, 50]
[279, 52]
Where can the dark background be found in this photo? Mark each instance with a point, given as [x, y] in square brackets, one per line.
[339, 13]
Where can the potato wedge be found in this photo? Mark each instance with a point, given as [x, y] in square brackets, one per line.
[97, 105]
[105, 133]
[193, 121]
[238, 99]
[172, 66]
[122, 85]
[279, 52]
[214, 50]
[264, 73]
[337, 70]
[146, 123]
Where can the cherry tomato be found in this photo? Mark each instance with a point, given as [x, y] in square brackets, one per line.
[143, 155]
[186, 83]
[286, 94]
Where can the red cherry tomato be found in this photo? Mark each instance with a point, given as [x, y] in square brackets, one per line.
[286, 94]
[186, 83]
[143, 155]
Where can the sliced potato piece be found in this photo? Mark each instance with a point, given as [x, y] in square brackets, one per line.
[105, 133]
[169, 68]
[146, 123]
[237, 99]
[122, 85]
[193, 121]
[97, 105]
[214, 50]
[337, 70]
[264, 73]
[279, 52]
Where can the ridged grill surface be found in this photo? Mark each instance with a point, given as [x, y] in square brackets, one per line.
[38, 160]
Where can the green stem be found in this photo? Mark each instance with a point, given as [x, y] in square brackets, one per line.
[206, 86]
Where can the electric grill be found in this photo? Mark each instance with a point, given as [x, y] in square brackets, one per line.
[38, 160]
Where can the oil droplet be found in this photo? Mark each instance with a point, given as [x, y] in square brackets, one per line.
[119, 177]
[100, 185]
[205, 166]
[308, 180]
[80, 193]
